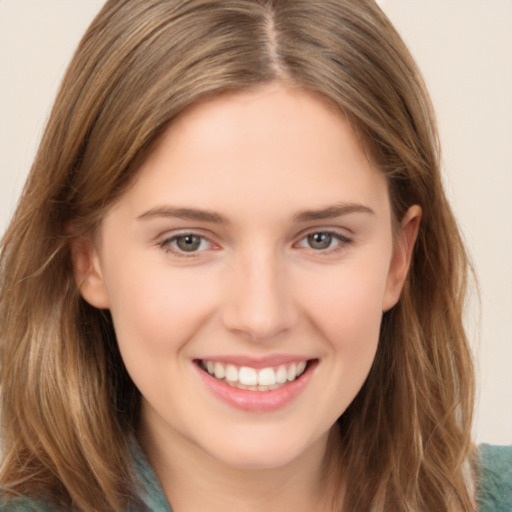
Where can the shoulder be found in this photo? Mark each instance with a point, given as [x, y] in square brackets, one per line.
[23, 504]
[151, 494]
[495, 478]
[151, 490]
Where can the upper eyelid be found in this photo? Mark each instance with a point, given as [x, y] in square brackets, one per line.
[171, 234]
[337, 228]
[339, 232]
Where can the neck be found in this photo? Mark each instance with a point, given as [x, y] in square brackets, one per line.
[191, 478]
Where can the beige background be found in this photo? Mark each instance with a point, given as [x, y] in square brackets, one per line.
[464, 48]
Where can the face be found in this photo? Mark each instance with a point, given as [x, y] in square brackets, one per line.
[247, 270]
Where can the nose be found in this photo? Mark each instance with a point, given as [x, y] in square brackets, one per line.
[259, 299]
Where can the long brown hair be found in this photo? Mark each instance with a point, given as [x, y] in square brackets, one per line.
[69, 408]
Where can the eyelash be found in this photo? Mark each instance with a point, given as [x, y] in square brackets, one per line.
[167, 246]
[341, 242]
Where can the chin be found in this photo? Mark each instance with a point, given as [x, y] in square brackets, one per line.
[266, 451]
[257, 459]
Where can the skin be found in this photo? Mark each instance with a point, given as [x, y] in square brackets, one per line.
[255, 287]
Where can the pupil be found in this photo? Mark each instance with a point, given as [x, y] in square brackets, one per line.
[319, 240]
[188, 243]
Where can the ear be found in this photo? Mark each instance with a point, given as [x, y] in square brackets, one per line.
[401, 258]
[87, 271]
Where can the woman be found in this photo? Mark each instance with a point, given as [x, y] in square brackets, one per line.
[233, 279]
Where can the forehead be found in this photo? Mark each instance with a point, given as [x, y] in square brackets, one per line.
[273, 146]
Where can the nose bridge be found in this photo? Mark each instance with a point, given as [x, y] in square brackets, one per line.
[260, 303]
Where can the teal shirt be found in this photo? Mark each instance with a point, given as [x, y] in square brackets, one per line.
[494, 486]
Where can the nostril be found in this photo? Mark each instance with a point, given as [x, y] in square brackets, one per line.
[258, 327]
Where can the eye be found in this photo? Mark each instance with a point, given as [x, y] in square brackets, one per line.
[320, 241]
[323, 240]
[186, 243]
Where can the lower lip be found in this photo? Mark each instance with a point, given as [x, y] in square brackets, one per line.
[257, 401]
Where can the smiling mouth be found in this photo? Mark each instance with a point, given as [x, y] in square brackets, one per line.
[252, 379]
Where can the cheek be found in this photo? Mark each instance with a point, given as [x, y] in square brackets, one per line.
[346, 308]
[156, 309]
[347, 305]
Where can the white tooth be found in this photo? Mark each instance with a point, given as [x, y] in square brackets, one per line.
[210, 366]
[292, 372]
[219, 370]
[248, 376]
[231, 373]
[266, 377]
[281, 374]
[275, 386]
[301, 367]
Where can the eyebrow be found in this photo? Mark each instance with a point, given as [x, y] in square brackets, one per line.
[328, 212]
[185, 214]
[331, 212]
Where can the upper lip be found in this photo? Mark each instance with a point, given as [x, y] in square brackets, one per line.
[256, 362]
